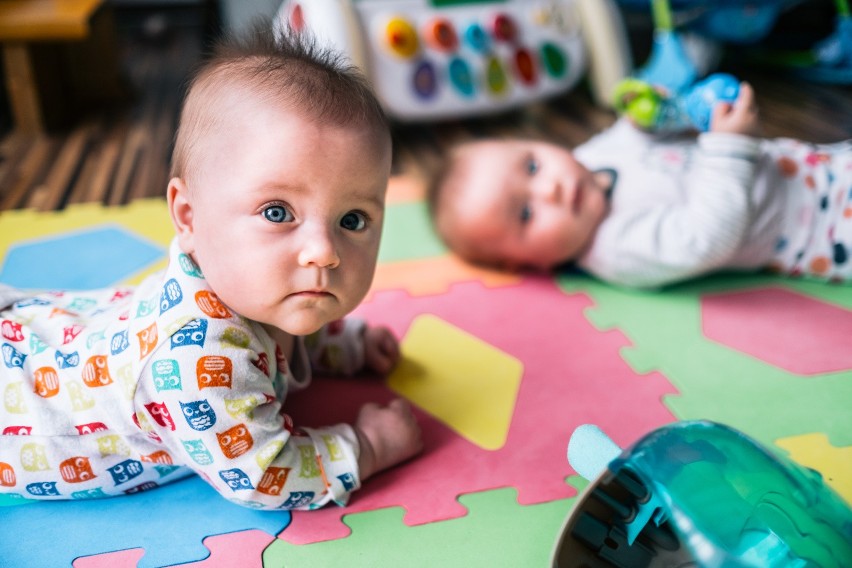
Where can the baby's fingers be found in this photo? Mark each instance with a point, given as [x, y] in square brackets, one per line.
[745, 99]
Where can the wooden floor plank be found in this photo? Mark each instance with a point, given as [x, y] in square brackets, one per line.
[106, 164]
[30, 172]
[12, 149]
[51, 193]
[120, 186]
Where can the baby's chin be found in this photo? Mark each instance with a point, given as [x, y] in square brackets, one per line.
[297, 326]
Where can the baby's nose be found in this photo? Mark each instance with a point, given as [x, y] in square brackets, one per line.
[551, 190]
[318, 249]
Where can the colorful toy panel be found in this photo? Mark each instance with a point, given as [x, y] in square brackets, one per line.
[445, 58]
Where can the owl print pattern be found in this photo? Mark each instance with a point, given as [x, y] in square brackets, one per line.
[116, 391]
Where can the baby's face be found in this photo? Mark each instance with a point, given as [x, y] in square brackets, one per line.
[286, 217]
[522, 203]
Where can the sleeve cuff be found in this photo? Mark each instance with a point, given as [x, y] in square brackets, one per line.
[338, 450]
[338, 347]
[730, 145]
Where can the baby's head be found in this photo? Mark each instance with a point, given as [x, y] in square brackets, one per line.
[516, 203]
[279, 172]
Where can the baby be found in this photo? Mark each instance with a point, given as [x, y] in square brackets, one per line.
[643, 210]
[279, 172]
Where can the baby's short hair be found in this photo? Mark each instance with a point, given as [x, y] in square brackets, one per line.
[443, 178]
[280, 65]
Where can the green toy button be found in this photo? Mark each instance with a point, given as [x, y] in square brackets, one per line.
[554, 60]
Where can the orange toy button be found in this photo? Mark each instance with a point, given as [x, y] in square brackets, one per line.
[441, 35]
[504, 28]
[401, 37]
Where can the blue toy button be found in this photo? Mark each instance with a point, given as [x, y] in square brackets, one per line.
[461, 77]
[477, 38]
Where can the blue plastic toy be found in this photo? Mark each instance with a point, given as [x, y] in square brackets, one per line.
[689, 36]
[699, 494]
[651, 108]
[701, 98]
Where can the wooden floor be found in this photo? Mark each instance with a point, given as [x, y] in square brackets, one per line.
[118, 154]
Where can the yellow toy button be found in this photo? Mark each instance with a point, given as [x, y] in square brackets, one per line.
[496, 76]
[401, 37]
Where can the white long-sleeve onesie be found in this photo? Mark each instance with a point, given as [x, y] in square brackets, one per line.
[681, 208]
[116, 391]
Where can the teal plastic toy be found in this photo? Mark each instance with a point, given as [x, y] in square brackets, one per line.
[699, 494]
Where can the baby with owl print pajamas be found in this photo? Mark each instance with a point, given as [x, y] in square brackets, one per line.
[279, 173]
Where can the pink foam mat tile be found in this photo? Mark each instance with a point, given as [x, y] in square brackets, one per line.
[243, 549]
[794, 332]
[573, 374]
[119, 559]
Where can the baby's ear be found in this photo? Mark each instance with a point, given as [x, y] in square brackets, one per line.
[180, 209]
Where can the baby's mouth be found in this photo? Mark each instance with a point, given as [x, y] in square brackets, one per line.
[312, 294]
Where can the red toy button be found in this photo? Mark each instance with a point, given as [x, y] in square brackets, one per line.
[504, 28]
[526, 66]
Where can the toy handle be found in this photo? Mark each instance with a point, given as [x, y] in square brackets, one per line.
[590, 451]
[334, 23]
[608, 50]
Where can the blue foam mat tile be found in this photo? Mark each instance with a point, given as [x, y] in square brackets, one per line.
[169, 523]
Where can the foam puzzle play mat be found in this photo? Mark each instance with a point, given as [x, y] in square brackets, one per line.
[500, 370]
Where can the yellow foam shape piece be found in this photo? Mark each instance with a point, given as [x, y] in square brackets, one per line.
[816, 452]
[466, 383]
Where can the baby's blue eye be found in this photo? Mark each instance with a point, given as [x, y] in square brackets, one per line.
[354, 221]
[532, 166]
[277, 214]
[526, 214]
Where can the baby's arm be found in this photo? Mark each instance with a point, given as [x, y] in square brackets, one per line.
[346, 346]
[220, 414]
[695, 231]
[387, 435]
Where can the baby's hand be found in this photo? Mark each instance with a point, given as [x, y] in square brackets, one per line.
[381, 349]
[741, 117]
[388, 435]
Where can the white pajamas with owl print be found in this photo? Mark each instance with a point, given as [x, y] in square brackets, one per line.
[117, 391]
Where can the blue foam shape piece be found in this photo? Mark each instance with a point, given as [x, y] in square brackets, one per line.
[82, 260]
[168, 522]
[590, 451]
